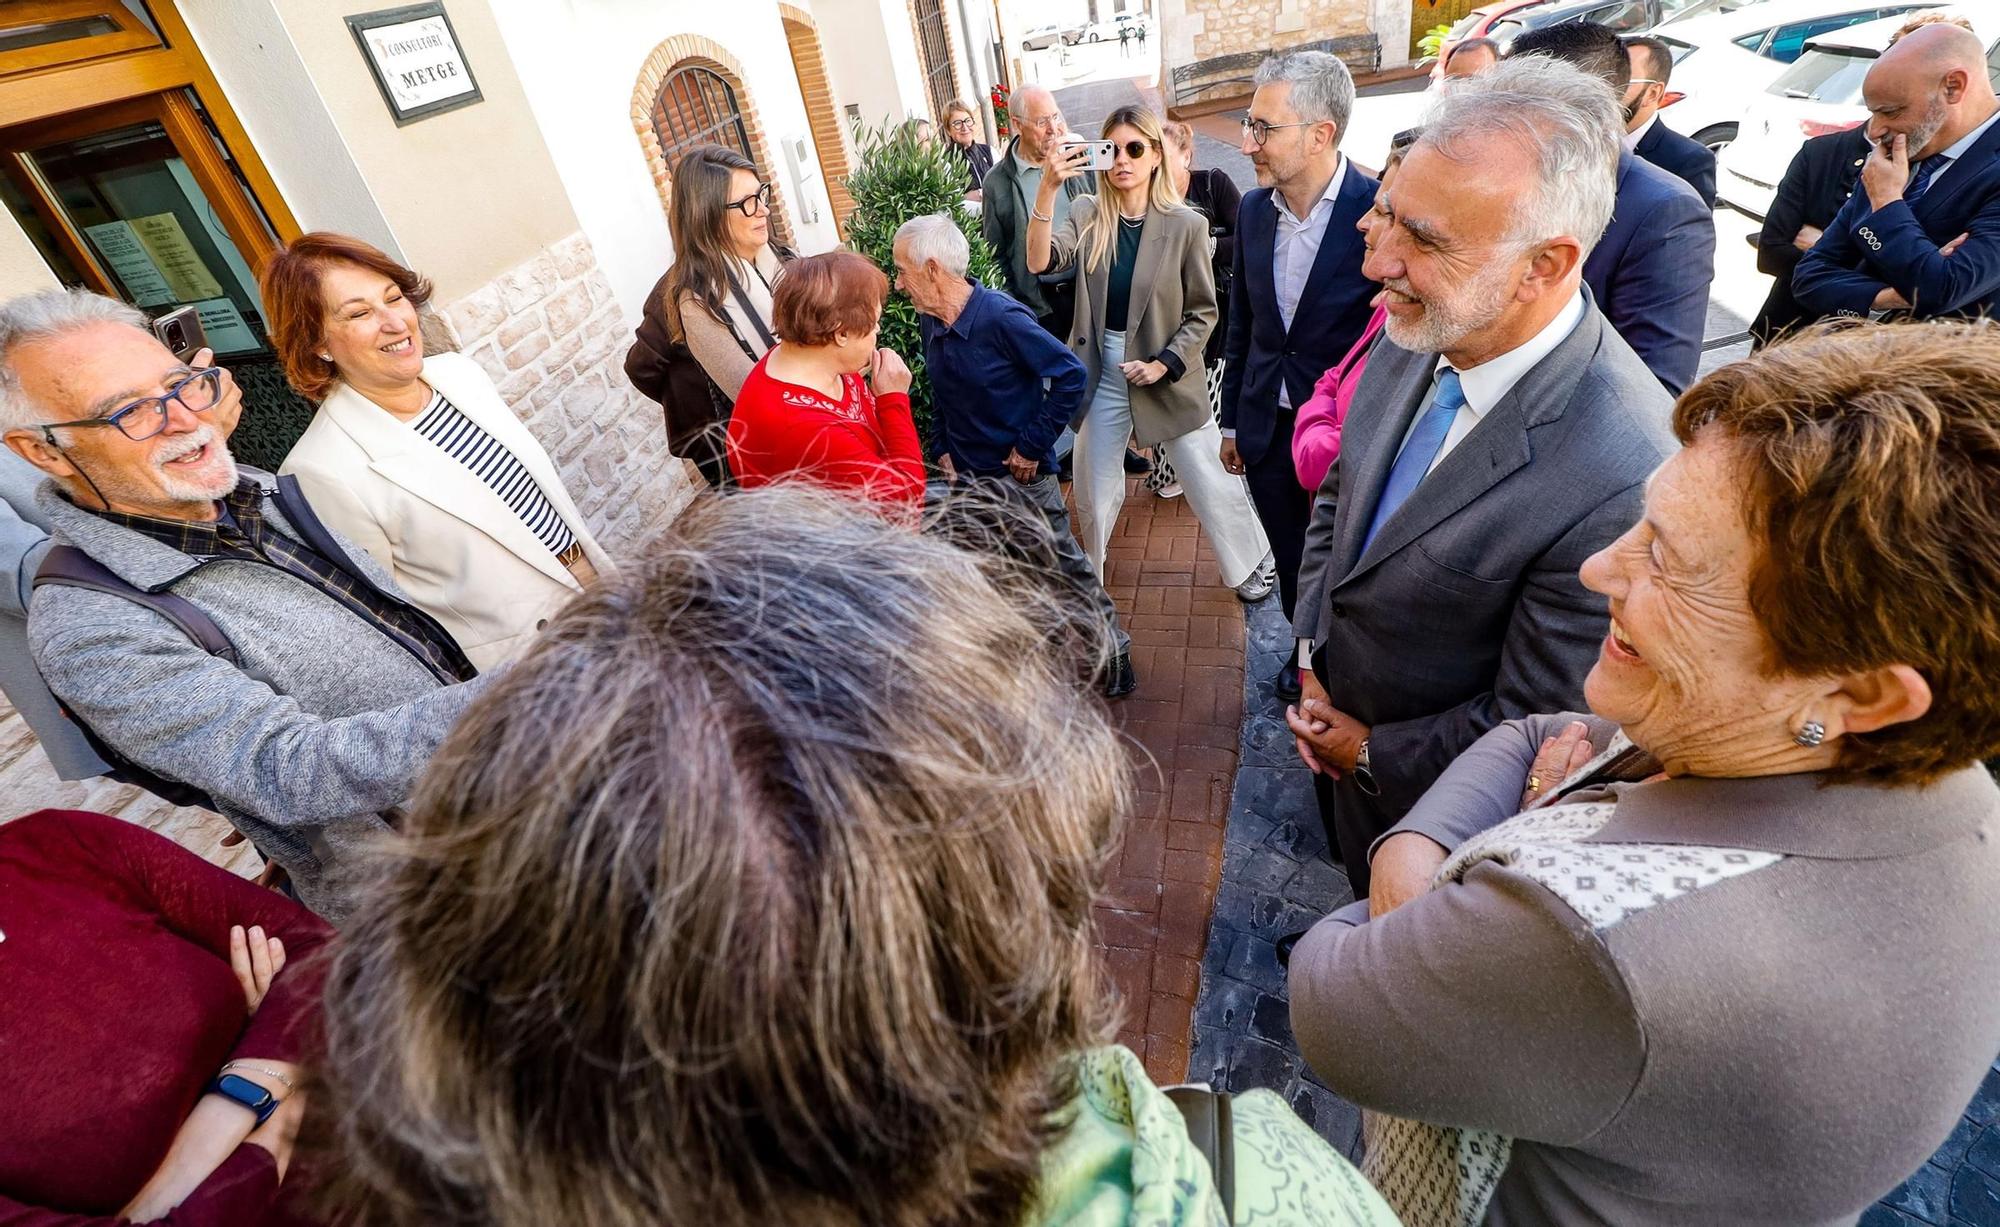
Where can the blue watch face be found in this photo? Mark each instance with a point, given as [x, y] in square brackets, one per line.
[247, 1093]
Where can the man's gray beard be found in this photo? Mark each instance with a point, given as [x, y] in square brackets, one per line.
[1933, 123]
[218, 477]
[1444, 325]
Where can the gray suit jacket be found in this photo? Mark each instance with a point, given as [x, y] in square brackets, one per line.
[325, 726]
[1466, 610]
[1168, 318]
[24, 539]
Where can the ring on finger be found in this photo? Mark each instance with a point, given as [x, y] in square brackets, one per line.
[1534, 783]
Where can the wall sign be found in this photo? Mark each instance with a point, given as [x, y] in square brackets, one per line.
[414, 54]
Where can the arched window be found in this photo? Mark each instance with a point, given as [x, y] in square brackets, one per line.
[934, 47]
[696, 106]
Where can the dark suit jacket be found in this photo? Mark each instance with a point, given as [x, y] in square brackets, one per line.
[1332, 312]
[1466, 609]
[1819, 181]
[1867, 249]
[1651, 270]
[1680, 155]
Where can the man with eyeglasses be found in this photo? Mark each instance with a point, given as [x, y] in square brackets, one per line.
[332, 691]
[1298, 300]
[1008, 196]
[1645, 135]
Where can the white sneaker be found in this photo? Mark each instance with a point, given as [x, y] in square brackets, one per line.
[1260, 583]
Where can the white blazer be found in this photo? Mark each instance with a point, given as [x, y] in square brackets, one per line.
[455, 547]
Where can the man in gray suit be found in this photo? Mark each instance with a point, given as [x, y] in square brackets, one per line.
[1501, 434]
[335, 689]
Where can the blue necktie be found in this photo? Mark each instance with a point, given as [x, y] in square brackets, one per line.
[1920, 178]
[1417, 455]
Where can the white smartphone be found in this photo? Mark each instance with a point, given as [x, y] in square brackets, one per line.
[1100, 153]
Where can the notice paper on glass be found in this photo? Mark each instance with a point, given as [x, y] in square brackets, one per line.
[178, 261]
[121, 249]
[224, 324]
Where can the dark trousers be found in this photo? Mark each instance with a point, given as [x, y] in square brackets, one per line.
[1283, 506]
[1349, 831]
[1064, 556]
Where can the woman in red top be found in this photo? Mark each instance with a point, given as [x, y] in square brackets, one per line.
[135, 974]
[806, 411]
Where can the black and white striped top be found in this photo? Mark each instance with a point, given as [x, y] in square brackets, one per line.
[444, 424]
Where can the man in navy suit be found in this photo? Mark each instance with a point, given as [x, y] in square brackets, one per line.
[1645, 135]
[1651, 270]
[1299, 300]
[1934, 175]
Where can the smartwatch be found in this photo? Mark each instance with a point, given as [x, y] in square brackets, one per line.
[242, 1091]
[1364, 778]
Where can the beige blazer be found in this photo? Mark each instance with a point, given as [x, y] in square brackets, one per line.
[453, 545]
[1172, 308]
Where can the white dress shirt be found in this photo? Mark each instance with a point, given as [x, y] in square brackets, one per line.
[1484, 386]
[1633, 138]
[1294, 249]
[1958, 148]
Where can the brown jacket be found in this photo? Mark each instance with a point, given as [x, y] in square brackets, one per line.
[1769, 1007]
[1171, 311]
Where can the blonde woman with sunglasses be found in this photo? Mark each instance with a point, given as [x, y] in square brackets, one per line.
[1145, 305]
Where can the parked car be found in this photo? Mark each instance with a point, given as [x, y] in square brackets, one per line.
[1475, 25]
[1624, 16]
[1819, 93]
[1724, 61]
[1043, 37]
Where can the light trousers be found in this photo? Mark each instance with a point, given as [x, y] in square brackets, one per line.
[1220, 499]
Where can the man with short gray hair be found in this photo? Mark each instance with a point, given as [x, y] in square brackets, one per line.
[1298, 300]
[1007, 196]
[1002, 390]
[197, 617]
[1502, 433]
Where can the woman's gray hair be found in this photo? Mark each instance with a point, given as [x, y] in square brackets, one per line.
[936, 237]
[1568, 118]
[1322, 88]
[40, 316]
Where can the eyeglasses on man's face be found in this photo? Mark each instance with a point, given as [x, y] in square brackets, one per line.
[1048, 123]
[756, 202]
[1258, 131]
[142, 419]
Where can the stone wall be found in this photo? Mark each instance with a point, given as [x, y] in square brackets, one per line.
[1224, 27]
[553, 340]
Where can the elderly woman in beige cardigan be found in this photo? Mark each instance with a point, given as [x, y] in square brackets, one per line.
[1744, 966]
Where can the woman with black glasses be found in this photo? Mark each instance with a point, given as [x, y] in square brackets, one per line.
[963, 129]
[713, 307]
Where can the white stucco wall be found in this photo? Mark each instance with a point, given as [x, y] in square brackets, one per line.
[578, 63]
[871, 54]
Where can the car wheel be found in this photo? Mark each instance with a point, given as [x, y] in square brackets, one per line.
[1717, 138]
[1095, 39]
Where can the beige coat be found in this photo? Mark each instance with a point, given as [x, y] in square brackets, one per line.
[451, 543]
[1172, 308]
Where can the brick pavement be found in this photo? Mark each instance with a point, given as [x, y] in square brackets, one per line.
[1183, 722]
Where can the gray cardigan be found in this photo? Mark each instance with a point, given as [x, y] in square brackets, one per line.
[1769, 1007]
[326, 725]
[24, 541]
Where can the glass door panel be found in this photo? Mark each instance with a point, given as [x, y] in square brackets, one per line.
[135, 201]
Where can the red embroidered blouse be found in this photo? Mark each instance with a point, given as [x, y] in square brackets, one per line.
[863, 441]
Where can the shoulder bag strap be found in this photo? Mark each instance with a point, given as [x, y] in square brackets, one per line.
[68, 567]
[1207, 1116]
[750, 312]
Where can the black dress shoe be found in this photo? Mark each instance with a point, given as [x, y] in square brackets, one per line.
[1287, 682]
[1135, 463]
[1119, 678]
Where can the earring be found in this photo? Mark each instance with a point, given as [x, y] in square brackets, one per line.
[1811, 734]
[326, 357]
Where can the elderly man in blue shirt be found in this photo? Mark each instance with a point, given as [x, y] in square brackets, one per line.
[1002, 391]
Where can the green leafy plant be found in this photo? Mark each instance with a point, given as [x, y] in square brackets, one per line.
[898, 178]
[1431, 45]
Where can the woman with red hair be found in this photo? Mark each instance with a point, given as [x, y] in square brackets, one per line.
[825, 405]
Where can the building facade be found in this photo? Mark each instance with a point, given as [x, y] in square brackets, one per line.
[516, 152]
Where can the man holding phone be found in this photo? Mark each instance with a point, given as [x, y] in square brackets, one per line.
[1003, 390]
[1009, 192]
[1934, 175]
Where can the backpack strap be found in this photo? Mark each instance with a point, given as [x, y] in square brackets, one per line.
[68, 567]
[1209, 1127]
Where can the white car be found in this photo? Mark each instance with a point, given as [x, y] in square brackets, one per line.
[1724, 60]
[1107, 31]
[1818, 94]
